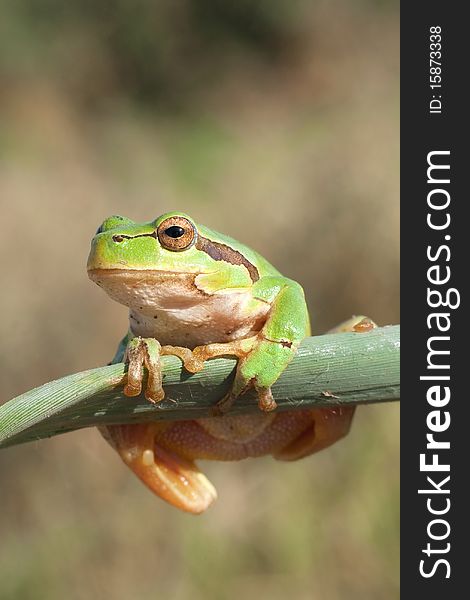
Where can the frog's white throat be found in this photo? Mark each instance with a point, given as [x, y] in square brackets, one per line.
[146, 290]
[170, 307]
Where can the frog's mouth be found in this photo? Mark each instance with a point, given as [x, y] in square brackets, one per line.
[155, 275]
[149, 289]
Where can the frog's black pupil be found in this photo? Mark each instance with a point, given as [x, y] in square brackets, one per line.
[174, 231]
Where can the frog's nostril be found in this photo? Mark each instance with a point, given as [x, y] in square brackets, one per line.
[120, 238]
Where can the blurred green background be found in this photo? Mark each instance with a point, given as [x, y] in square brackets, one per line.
[273, 121]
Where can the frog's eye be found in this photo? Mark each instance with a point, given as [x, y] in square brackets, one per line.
[176, 234]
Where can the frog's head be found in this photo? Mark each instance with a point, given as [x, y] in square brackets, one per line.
[168, 262]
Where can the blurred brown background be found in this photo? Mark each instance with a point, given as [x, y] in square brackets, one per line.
[273, 121]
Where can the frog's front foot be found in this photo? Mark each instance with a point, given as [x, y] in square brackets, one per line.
[266, 402]
[260, 363]
[140, 353]
[146, 352]
[254, 355]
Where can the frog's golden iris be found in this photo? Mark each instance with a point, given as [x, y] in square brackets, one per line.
[176, 233]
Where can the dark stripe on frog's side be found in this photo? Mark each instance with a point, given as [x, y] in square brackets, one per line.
[219, 251]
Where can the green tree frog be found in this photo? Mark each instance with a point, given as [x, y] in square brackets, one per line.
[197, 294]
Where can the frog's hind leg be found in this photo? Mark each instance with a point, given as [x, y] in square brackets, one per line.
[170, 476]
[327, 425]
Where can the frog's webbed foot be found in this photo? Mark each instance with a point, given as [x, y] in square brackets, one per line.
[174, 478]
[260, 362]
[266, 402]
[259, 368]
[245, 377]
[193, 361]
[140, 353]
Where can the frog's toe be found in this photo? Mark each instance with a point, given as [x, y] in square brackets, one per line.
[135, 369]
[170, 476]
[266, 401]
[154, 390]
[356, 324]
[223, 406]
[154, 395]
[132, 390]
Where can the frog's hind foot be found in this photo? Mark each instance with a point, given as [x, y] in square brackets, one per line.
[170, 476]
[356, 324]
